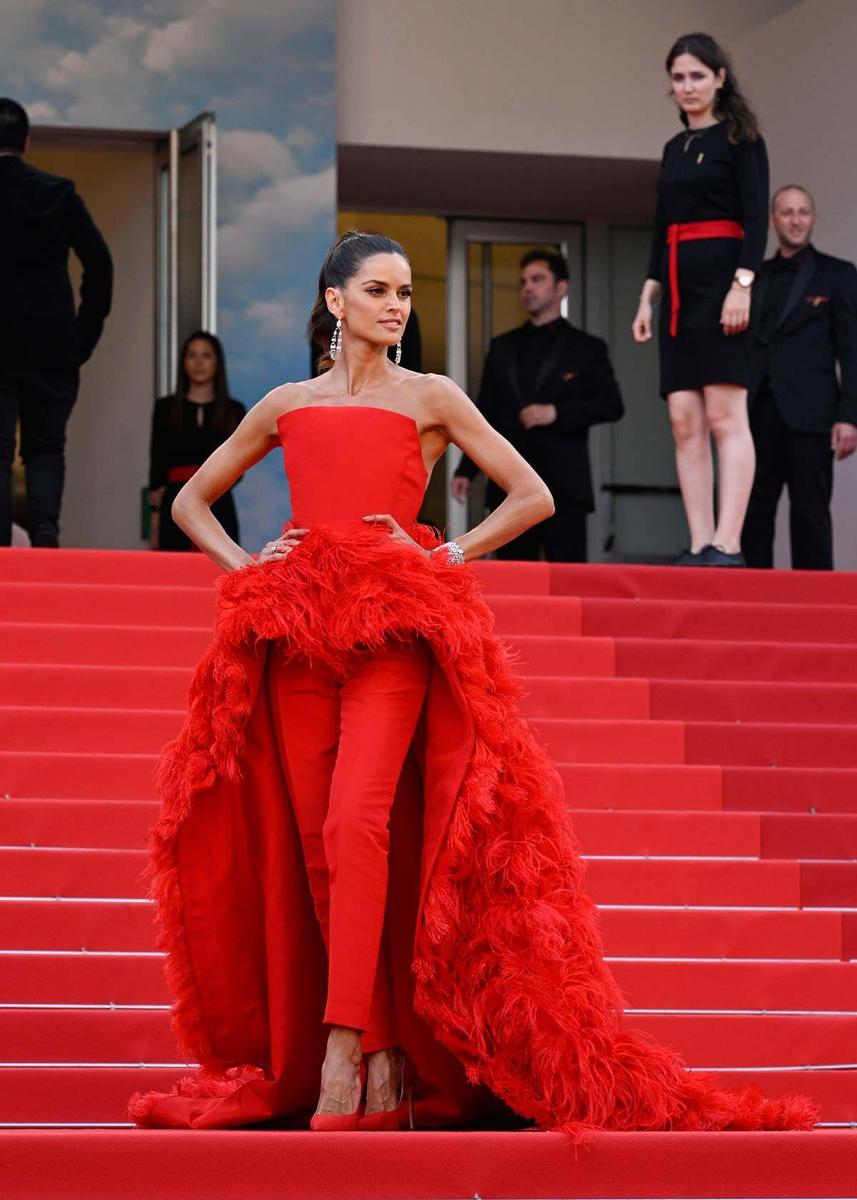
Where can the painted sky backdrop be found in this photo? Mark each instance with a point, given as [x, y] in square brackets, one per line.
[266, 69]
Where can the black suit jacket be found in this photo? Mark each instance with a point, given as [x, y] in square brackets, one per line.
[577, 377]
[816, 330]
[41, 219]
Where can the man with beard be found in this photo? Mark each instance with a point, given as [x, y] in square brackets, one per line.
[543, 386]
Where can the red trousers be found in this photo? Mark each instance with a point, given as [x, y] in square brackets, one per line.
[343, 738]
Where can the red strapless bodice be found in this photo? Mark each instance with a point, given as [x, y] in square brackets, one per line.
[344, 461]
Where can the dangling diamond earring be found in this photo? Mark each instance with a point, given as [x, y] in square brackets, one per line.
[336, 341]
[398, 353]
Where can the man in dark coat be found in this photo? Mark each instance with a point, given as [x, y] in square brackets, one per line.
[43, 341]
[802, 412]
[543, 386]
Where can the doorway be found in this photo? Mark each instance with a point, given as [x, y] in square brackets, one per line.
[483, 283]
[152, 195]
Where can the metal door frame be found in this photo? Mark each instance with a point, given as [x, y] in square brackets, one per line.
[199, 133]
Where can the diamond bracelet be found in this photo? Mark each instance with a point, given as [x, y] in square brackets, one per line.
[454, 553]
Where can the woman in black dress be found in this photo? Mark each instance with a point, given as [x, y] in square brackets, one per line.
[186, 429]
[709, 244]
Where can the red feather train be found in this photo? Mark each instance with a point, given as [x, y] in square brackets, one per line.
[501, 991]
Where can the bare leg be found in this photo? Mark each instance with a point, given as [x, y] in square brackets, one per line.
[726, 409]
[694, 464]
[340, 1072]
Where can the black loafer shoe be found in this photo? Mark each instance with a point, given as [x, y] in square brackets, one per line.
[687, 558]
[713, 556]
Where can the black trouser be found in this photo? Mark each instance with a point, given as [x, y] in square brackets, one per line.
[802, 462]
[43, 402]
[562, 536]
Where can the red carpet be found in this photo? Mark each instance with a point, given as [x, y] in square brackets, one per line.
[705, 725]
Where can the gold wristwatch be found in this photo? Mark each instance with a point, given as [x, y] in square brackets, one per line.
[744, 279]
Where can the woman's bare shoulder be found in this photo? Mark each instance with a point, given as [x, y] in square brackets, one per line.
[282, 399]
[438, 396]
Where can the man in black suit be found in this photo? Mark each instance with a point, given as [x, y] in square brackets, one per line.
[42, 340]
[802, 414]
[543, 386]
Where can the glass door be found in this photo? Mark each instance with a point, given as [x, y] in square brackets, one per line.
[483, 301]
[187, 249]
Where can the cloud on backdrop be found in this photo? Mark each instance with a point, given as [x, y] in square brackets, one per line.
[265, 68]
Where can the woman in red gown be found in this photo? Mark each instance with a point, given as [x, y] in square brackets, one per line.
[364, 862]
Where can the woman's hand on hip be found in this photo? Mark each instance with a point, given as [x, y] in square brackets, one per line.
[282, 545]
[735, 316]
[642, 326]
[397, 534]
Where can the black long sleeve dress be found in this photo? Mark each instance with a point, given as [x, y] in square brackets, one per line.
[175, 450]
[705, 177]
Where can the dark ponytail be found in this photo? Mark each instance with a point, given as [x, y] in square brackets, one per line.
[341, 264]
[730, 105]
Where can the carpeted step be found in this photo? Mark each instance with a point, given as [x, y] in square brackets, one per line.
[74, 977]
[685, 833]
[770, 702]
[101, 1093]
[57, 924]
[537, 654]
[790, 789]
[105, 604]
[557, 695]
[726, 1039]
[586, 698]
[89, 775]
[767, 835]
[67, 924]
[614, 880]
[117, 824]
[849, 935]
[828, 884]
[182, 646]
[794, 986]
[629, 786]
[79, 685]
[713, 619]
[73, 873]
[77, 1094]
[755, 1039]
[759, 660]
[158, 606]
[139, 1165]
[550, 615]
[128, 567]
[125, 731]
[56, 1035]
[195, 570]
[631, 581]
[834, 1089]
[650, 931]
[110, 977]
[138, 731]
[809, 835]
[610, 741]
[771, 745]
[693, 881]
[110, 645]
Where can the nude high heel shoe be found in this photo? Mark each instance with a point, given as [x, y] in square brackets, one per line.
[340, 1122]
[391, 1120]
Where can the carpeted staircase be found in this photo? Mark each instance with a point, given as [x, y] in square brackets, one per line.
[705, 725]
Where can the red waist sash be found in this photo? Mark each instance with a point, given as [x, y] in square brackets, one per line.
[181, 474]
[693, 231]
